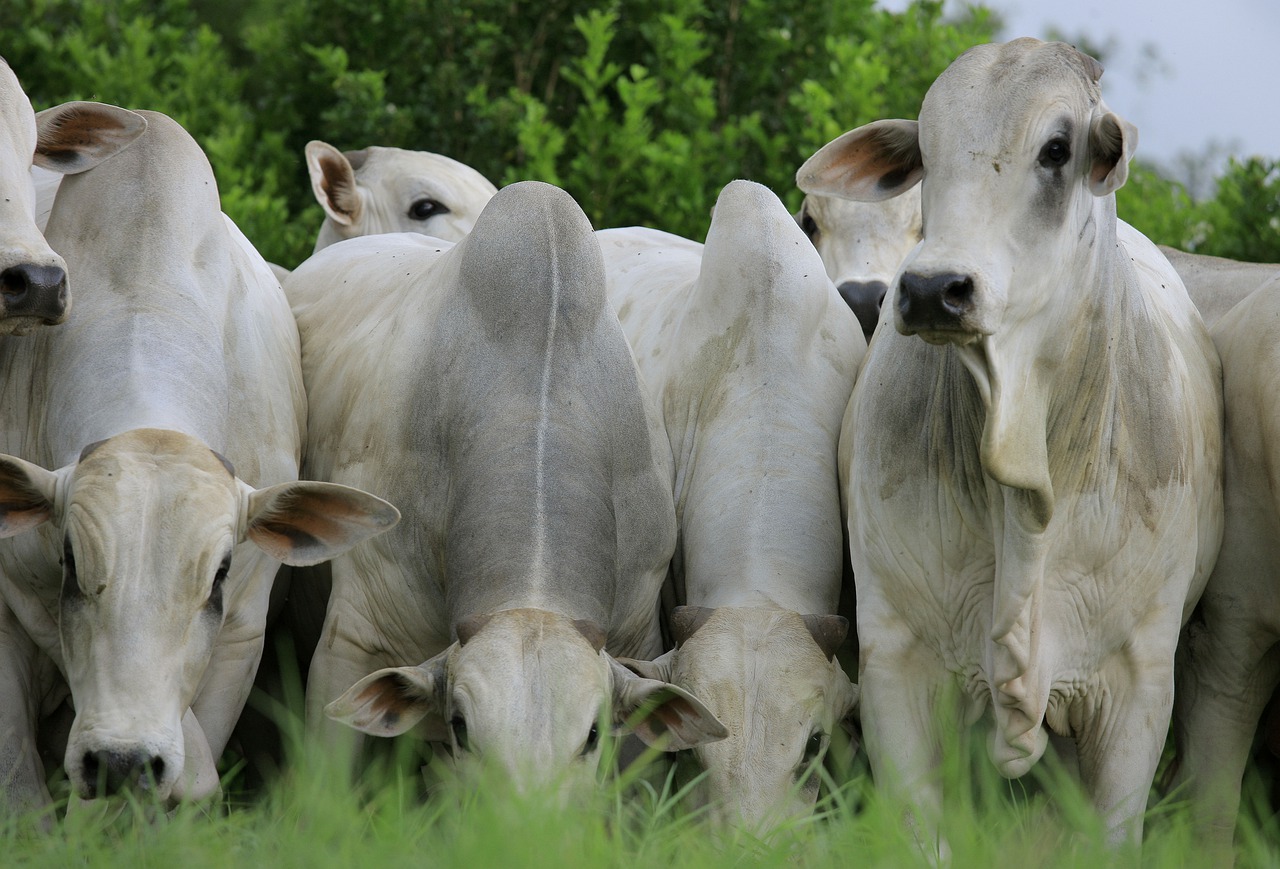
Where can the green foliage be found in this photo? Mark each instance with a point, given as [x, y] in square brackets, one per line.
[1242, 221]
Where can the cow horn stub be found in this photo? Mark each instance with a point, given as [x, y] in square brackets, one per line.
[593, 632]
[685, 621]
[827, 631]
[470, 626]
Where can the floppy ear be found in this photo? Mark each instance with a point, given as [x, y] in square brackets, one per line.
[875, 162]
[391, 701]
[26, 495]
[333, 181]
[77, 136]
[663, 715]
[659, 668]
[1112, 141]
[304, 523]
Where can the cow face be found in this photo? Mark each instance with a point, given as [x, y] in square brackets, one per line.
[524, 690]
[379, 190]
[67, 139]
[148, 524]
[770, 676]
[861, 245]
[1015, 146]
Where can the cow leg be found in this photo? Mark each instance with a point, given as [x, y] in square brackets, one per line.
[909, 711]
[1121, 734]
[22, 787]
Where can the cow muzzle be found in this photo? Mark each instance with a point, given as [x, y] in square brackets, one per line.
[940, 308]
[104, 767]
[864, 299]
[34, 294]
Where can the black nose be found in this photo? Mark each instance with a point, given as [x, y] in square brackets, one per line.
[935, 301]
[109, 772]
[34, 291]
[864, 299]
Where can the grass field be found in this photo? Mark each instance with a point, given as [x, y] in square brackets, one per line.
[308, 814]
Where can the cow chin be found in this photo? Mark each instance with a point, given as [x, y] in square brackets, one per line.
[940, 337]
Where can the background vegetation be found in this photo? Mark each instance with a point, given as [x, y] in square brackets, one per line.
[641, 109]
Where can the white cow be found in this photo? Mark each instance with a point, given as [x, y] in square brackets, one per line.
[380, 190]
[1034, 487]
[751, 354]
[135, 575]
[488, 389]
[861, 245]
[70, 138]
[1229, 666]
[1216, 283]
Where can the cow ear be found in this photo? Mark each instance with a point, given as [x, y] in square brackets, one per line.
[77, 136]
[304, 523]
[1112, 141]
[333, 181]
[391, 701]
[875, 162]
[663, 715]
[659, 668]
[26, 495]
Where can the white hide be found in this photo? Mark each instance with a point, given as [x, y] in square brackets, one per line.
[487, 388]
[1215, 283]
[752, 355]
[378, 190]
[1228, 667]
[1034, 489]
[137, 563]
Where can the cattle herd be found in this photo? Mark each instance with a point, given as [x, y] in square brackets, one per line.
[975, 434]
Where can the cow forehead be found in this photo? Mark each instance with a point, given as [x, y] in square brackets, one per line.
[166, 468]
[765, 652]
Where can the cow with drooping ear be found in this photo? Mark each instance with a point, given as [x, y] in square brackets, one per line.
[488, 390]
[149, 483]
[75, 137]
[1034, 488]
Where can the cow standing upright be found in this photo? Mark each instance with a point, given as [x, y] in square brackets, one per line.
[1033, 483]
[488, 389]
[751, 354]
[134, 578]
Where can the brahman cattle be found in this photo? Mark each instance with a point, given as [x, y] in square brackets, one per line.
[1229, 665]
[1034, 484]
[488, 390]
[861, 245]
[751, 355]
[1216, 283]
[378, 190]
[135, 576]
[67, 139]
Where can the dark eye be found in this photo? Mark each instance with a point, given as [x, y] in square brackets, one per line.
[593, 739]
[219, 578]
[812, 751]
[459, 727]
[70, 582]
[808, 225]
[426, 208]
[1055, 153]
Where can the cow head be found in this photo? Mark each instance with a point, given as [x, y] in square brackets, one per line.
[861, 245]
[67, 139]
[1015, 148]
[524, 690]
[148, 524]
[771, 676]
[379, 190]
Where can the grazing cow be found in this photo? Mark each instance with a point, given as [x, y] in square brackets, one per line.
[1215, 283]
[861, 245]
[135, 577]
[1033, 487]
[380, 190]
[751, 354]
[67, 139]
[488, 389]
[1229, 664]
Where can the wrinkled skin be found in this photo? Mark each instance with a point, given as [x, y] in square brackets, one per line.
[752, 355]
[1033, 489]
[508, 422]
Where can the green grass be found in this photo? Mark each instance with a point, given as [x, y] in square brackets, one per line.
[309, 815]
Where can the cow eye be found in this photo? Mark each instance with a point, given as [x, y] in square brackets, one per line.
[459, 727]
[808, 225]
[426, 208]
[70, 582]
[812, 749]
[593, 739]
[219, 578]
[1055, 153]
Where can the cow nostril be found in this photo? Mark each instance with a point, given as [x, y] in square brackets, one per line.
[108, 772]
[958, 294]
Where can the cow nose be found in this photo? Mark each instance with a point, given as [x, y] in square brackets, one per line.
[864, 299]
[34, 291]
[934, 301]
[108, 772]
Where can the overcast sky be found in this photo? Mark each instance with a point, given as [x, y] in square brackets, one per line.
[1215, 76]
